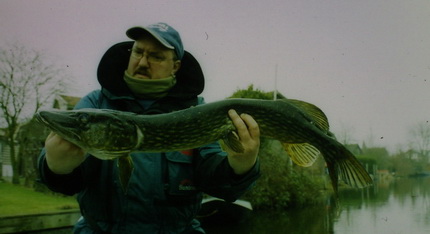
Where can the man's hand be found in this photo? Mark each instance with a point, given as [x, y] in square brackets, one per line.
[249, 135]
[62, 156]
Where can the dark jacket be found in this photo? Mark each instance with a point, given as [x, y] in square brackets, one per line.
[165, 189]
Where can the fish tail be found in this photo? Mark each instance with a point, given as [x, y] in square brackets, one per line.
[347, 167]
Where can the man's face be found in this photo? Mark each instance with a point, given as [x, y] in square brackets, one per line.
[151, 60]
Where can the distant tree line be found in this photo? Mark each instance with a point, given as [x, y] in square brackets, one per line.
[411, 162]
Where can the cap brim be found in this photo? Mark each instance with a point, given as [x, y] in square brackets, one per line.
[137, 32]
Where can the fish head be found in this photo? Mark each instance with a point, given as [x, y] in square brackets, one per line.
[106, 134]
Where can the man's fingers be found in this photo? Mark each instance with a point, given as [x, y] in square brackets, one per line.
[50, 136]
[240, 125]
[246, 126]
[249, 135]
[252, 125]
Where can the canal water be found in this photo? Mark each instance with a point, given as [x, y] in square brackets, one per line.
[399, 206]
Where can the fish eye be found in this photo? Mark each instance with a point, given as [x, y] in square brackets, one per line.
[84, 118]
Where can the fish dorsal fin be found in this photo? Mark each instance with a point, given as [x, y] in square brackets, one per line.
[302, 154]
[314, 113]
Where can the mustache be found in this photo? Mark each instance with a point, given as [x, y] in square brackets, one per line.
[142, 71]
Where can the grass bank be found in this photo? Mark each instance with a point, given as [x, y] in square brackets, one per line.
[18, 200]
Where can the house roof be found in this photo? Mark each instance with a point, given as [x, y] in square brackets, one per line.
[66, 102]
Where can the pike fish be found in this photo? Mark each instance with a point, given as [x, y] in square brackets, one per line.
[301, 127]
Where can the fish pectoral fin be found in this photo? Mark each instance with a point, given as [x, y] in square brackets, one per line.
[125, 169]
[232, 142]
[302, 154]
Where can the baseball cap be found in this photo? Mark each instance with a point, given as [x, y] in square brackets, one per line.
[163, 32]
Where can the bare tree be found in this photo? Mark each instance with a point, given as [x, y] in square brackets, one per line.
[420, 141]
[27, 82]
[345, 135]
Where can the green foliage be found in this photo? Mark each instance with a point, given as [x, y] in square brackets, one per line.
[365, 159]
[378, 156]
[405, 164]
[280, 186]
[252, 93]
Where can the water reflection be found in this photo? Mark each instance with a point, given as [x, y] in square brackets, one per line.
[400, 206]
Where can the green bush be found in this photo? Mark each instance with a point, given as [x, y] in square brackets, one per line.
[280, 185]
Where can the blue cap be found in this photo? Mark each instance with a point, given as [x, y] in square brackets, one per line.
[163, 32]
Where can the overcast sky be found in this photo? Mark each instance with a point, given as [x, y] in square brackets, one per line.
[365, 63]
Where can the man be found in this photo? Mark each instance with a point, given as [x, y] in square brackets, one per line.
[151, 75]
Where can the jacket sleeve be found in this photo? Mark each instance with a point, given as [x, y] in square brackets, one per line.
[215, 177]
[71, 183]
[66, 184]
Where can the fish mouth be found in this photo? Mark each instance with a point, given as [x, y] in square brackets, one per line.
[60, 124]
